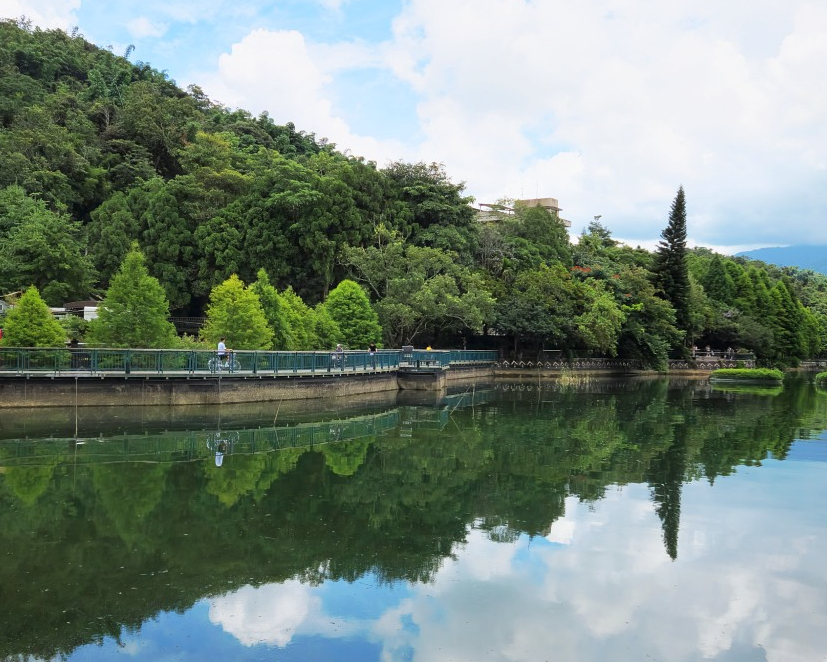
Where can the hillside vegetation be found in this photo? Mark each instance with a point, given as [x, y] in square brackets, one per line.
[102, 158]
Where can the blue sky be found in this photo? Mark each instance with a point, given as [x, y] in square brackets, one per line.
[609, 106]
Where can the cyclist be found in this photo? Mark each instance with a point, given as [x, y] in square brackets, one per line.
[223, 352]
[219, 452]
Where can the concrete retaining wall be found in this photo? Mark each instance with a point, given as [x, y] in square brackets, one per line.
[90, 391]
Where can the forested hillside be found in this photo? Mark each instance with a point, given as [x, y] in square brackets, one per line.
[102, 158]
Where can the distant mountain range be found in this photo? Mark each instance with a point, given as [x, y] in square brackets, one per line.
[804, 257]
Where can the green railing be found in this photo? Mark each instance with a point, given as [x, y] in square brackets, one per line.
[473, 357]
[188, 445]
[99, 361]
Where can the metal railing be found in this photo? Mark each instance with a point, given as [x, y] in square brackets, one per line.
[145, 362]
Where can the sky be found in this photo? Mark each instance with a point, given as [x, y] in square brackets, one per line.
[607, 105]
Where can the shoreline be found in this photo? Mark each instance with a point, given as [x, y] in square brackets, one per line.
[96, 391]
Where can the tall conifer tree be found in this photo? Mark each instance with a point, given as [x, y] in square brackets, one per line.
[235, 313]
[671, 268]
[31, 324]
[135, 310]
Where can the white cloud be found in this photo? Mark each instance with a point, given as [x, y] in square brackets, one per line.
[277, 72]
[274, 614]
[143, 27]
[630, 104]
[613, 593]
[43, 13]
[270, 614]
[643, 99]
[332, 5]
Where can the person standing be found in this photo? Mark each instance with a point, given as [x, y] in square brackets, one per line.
[339, 356]
[372, 354]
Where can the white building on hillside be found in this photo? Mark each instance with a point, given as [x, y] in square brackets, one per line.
[492, 212]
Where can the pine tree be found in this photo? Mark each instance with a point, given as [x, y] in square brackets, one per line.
[327, 332]
[275, 310]
[31, 324]
[135, 310]
[718, 283]
[349, 307]
[789, 343]
[235, 313]
[301, 321]
[671, 268]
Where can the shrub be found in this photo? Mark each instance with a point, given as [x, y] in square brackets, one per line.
[748, 374]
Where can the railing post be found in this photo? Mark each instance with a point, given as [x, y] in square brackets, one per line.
[255, 363]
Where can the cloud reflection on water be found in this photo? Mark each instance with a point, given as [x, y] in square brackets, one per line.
[747, 585]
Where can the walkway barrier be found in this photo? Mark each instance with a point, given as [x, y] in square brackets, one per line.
[171, 362]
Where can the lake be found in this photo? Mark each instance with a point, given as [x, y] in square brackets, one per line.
[593, 520]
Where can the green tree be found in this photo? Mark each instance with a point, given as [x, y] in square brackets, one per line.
[649, 327]
[787, 325]
[349, 307]
[434, 211]
[235, 313]
[541, 307]
[600, 324]
[301, 321]
[275, 311]
[544, 230]
[718, 283]
[168, 245]
[670, 268]
[111, 232]
[135, 310]
[41, 248]
[326, 331]
[420, 290]
[31, 324]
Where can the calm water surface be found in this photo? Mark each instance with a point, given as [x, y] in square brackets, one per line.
[637, 520]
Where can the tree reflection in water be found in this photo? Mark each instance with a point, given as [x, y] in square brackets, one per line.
[170, 518]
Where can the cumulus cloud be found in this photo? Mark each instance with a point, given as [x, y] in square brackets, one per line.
[270, 614]
[612, 592]
[746, 585]
[641, 98]
[43, 13]
[274, 614]
[278, 72]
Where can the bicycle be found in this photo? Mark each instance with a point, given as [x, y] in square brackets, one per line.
[337, 361]
[228, 362]
[222, 444]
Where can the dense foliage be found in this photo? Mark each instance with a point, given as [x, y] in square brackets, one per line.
[98, 154]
